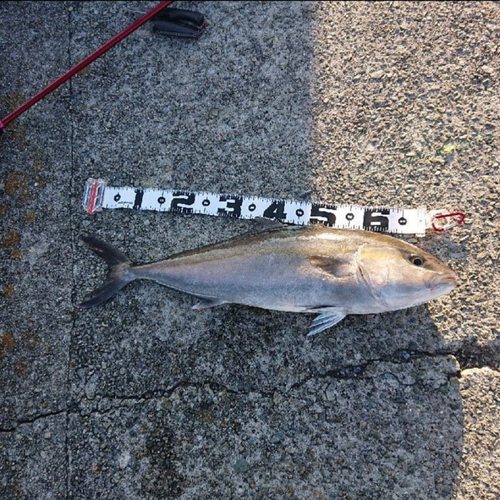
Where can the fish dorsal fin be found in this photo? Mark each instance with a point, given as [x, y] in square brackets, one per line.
[339, 267]
[205, 303]
[326, 320]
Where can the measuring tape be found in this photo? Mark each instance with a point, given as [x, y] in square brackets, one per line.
[98, 195]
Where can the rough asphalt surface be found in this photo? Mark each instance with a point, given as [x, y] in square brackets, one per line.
[142, 398]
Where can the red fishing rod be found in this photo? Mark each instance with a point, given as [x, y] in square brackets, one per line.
[174, 22]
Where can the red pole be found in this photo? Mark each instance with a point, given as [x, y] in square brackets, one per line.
[85, 62]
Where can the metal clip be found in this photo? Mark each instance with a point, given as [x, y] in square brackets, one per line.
[444, 225]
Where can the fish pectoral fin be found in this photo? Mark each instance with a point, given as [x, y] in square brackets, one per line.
[326, 320]
[338, 267]
[206, 303]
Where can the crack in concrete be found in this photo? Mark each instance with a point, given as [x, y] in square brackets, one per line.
[32, 420]
[399, 357]
[471, 356]
[152, 395]
[348, 372]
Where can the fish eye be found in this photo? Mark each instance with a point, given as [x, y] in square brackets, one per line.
[417, 260]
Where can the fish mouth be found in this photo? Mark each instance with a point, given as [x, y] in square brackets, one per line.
[448, 280]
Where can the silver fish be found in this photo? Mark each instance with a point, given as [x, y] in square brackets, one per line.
[313, 269]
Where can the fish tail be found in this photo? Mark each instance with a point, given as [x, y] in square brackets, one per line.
[120, 272]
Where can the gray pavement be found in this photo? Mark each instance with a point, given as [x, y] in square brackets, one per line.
[142, 398]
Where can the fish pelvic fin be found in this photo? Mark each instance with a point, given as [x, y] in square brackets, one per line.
[326, 320]
[120, 272]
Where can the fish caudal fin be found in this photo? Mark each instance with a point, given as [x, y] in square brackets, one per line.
[325, 320]
[120, 272]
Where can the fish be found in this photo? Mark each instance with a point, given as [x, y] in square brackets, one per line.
[304, 269]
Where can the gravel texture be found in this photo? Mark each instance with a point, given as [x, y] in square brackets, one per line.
[393, 103]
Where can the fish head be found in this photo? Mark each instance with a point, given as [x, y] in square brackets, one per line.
[401, 275]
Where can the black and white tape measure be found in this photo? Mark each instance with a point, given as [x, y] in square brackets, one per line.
[98, 195]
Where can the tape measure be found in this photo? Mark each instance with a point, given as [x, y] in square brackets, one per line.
[98, 195]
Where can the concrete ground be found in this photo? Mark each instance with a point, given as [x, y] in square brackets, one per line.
[391, 103]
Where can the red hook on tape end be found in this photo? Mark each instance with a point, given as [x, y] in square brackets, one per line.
[459, 217]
